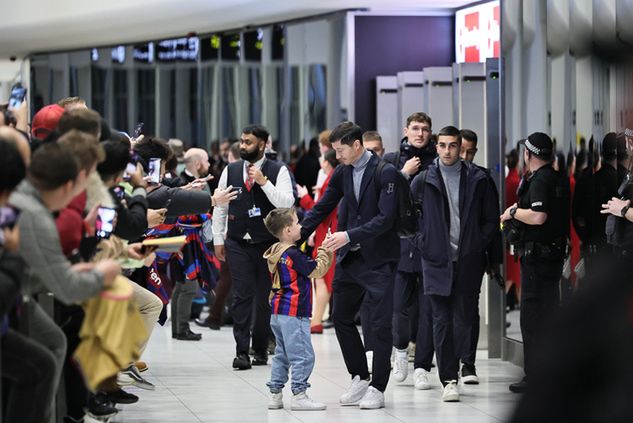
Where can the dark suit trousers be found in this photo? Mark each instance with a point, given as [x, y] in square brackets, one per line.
[540, 297]
[443, 309]
[407, 293]
[251, 290]
[221, 292]
[466, 326]
[354, 282]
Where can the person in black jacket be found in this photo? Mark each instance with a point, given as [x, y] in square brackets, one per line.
[493, 257]
[459, 217]
[593, 190]
[416, 153]
[368, 249]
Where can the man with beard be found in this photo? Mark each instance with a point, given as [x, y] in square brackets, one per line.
[263, 185]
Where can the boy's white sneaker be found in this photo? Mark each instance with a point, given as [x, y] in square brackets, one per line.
[450, 392]
[400, 366]
[355, 392]
[302, 402]
[421, 379]
[372, 400]
[275, 401]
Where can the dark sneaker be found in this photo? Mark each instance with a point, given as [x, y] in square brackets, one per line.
[188, 335]
[260, 359]
[469, 374]
[519, 387]
[100, 407]
[121, 397]
[242, 362]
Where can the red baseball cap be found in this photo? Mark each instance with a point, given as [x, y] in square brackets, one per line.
[45, 120]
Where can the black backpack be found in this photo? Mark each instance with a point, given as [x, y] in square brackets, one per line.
[408, 214]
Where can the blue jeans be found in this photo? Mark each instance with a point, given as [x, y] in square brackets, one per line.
[293, 350]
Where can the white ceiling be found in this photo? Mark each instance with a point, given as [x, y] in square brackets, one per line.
[42, 25]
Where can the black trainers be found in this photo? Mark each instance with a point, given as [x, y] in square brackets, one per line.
[242, 362]
[469, 374]
[519, 387]
[121, 397]
[188, 335]
[99, 407]
[260, 359]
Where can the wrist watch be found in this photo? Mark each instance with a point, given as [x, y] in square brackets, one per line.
[624, 210]
[513, 211]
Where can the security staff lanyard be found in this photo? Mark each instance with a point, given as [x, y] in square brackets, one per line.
[250, 184]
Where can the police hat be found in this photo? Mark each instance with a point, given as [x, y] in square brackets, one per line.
[539, 144]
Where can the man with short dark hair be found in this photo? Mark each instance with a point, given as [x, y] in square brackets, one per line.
[415, 154]
[493, 257]
[458, 220]
[373, 142]
[368, 250]
[263, 185]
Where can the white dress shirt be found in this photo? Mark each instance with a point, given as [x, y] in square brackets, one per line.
[279, 195]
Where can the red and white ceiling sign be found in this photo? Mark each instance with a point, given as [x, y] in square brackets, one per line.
[477, 31]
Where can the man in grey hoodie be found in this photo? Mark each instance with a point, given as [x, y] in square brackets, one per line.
[52, 182]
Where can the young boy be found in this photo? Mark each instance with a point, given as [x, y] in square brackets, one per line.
[291, 303]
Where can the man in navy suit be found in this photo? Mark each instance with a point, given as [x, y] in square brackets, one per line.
[368, 250]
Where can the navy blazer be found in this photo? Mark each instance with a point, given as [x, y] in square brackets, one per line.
[368, 222]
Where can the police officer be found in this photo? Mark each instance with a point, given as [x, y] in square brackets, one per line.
[593, 190]
[416, 153]
[542, 219]
[263, 184]
[619, 226]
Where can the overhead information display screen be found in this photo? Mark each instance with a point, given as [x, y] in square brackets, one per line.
[477, 32]
[178, 49]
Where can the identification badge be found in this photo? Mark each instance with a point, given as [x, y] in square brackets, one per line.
[254, 212]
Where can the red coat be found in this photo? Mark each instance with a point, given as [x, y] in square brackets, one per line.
[331, 222]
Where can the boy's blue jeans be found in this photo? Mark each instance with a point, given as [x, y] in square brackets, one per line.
[293, 351]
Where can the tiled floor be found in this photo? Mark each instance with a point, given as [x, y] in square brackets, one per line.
[195, 383]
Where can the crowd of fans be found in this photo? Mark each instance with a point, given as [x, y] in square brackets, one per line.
[105, 235]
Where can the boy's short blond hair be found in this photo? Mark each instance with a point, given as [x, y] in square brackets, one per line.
[279, 219]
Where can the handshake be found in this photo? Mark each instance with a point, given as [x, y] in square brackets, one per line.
[334, 241]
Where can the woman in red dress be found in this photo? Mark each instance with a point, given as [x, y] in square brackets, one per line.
[324, 285]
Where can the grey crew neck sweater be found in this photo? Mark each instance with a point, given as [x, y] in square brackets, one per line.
[452, 176]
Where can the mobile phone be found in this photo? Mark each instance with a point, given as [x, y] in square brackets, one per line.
[138, 130]
[18, 93]
[130, 169]
[8, 217]
[105, 222]
[154, 171]
[119, 192]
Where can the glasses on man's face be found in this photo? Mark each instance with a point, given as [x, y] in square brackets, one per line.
[424, 129]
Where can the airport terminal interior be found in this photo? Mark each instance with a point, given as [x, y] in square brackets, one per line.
[343, 210]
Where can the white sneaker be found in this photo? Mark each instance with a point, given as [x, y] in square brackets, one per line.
[450, 392]
[370, 360]
[355, 392]
[275, 401]
[421, 379]
[372, 400]
[400, 366]
[302, 402]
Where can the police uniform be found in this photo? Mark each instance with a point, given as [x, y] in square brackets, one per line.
[543, 248]
[246, 240]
